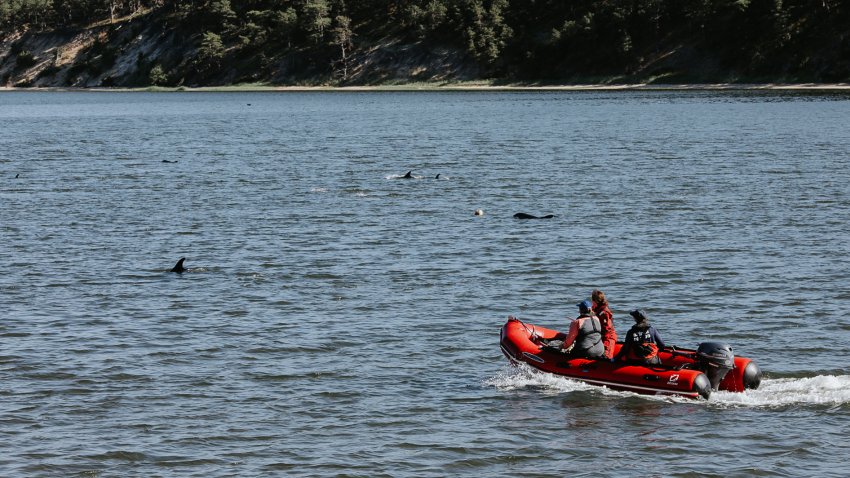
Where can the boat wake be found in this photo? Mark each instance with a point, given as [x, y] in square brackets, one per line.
[780, 392]
[522, 376]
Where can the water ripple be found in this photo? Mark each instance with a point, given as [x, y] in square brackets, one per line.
[336, 320]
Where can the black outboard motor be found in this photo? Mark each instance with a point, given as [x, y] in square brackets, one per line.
[715, 360]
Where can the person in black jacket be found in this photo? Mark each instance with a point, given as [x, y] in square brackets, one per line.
[642, 341]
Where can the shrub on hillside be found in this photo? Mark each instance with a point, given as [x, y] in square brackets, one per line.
[26, 59]
[157, 76]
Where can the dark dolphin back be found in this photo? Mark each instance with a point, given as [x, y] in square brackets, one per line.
[522, 215]
[178, 268]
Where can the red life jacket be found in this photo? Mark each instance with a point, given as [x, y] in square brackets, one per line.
[606, 318]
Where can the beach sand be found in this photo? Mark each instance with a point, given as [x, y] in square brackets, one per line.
[473, 86]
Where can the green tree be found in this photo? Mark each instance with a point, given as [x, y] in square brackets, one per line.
[488, 33]
[221, 14]
[256, 31]
[210, 52]
[284, 24]
[343, 38]
[316, 17]
[428, 19]
[157, 76]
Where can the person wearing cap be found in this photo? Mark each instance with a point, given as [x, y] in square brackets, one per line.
[606, 319]
[585, 336]
[642, 341]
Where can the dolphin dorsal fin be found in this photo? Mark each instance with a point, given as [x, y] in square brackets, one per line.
[178, 268]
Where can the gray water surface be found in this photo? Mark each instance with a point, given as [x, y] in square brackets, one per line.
[337, 320]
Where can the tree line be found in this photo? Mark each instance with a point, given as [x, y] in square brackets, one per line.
[799, 40]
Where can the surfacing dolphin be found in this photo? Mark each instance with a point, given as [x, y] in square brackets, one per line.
[409, 175]
[178, 268]
[522, 215]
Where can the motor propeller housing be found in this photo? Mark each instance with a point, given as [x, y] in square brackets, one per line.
[715, 359]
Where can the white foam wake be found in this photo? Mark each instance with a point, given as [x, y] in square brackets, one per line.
[522, 376]
[819, 390]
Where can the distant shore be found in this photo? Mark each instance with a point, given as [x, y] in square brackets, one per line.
[473, 86]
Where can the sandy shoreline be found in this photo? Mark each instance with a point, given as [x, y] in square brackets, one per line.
[824, 87]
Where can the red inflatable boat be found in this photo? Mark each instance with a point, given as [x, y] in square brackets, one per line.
[686, 373]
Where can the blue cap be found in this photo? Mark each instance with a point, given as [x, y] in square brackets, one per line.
[584, 305]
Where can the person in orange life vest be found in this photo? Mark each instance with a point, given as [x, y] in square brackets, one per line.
[606, 319]
[584, 338]
[642, 341]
